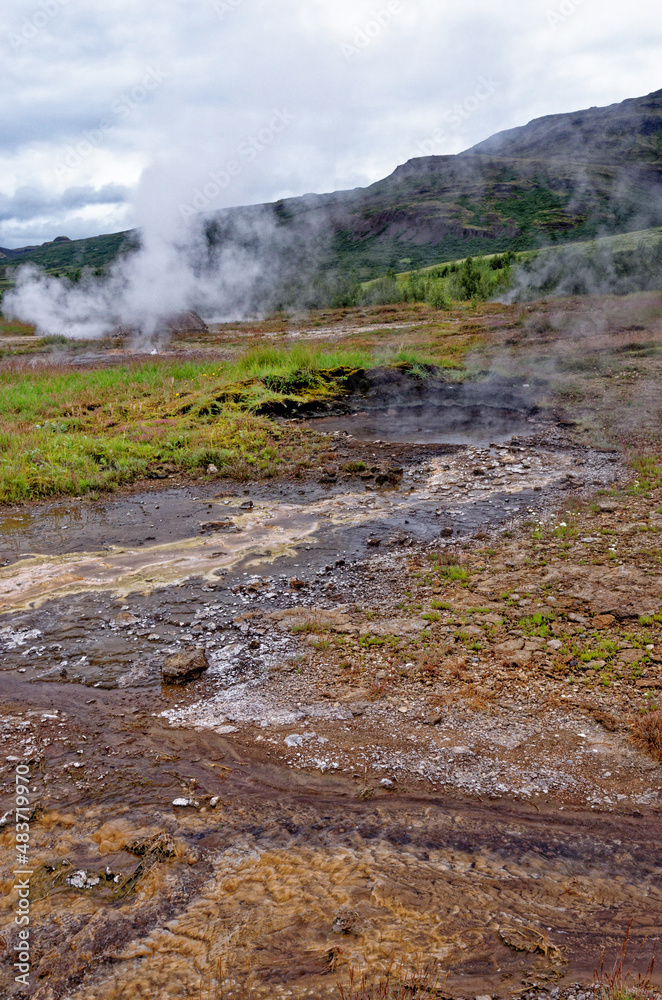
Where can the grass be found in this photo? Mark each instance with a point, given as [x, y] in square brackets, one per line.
[397, 984]
[455, 574]
[69, 431]
[619, 982]
[648, 732]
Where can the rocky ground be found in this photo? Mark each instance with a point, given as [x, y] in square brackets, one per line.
[420, 727]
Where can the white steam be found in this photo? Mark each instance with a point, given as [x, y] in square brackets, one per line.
[140, 291]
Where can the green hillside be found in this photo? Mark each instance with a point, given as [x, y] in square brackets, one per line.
[65, 254]
[558, 180]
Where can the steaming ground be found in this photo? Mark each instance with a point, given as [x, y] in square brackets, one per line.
[428, 725]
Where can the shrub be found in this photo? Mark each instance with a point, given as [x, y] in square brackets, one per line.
[648, 732]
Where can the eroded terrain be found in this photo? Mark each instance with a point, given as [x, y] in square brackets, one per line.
[419, 737]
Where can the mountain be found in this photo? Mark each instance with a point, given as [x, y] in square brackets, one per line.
[630, 132]
[559, 179]
[66, 254]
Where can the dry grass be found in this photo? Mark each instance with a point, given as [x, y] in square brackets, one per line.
[648, 732]
[620, 982]
[397, 984]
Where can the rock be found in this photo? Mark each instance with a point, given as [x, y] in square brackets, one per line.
[297, 584]
[185, 666]
[294, 740]
[511, 646]
[247, 505]
[387, 783]
[126, 618]
[394, 626]
[346, 922]
[211, 469]
[555, 644]
[227, 525]
[185, 803]
[374, 542]
[603, 621]
[81, 880]
[185, 322]
[631, 655]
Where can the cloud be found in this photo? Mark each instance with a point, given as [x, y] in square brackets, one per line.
[225, 65]
[28, 202]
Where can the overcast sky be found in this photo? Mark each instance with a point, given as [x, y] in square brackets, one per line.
[116, 110]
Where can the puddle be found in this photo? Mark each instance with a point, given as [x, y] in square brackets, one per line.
[395, 407]
[421, 424]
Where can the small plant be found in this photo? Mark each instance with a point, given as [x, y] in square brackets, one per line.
[648, 733]
[309, 627]
[455, 574]
[377, 690]
[397, 984]
[619, 983]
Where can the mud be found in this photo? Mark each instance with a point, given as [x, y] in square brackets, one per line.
[288, 877]
[315, 826]
[102, 616]
[395, 407]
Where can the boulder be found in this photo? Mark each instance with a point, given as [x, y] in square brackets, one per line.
[186, 322]
[185, 666]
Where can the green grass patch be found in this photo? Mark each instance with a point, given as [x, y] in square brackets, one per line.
[68, 431]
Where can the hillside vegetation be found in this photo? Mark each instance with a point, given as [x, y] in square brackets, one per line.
[558, 180]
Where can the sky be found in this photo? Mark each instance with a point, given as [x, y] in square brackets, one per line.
[115, 113]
